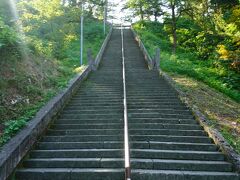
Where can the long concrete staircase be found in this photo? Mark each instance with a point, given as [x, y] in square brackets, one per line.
[86, 141]
[166, 141]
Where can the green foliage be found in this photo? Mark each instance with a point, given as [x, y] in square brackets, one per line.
[205, 44]
[146, 8]
[51, 32]
[8, 37]
[153, 35]
[5, 12]
[137, 6]
[11, 128]
[234, 142]
[93, 30]
[212, 72]
[210, 29]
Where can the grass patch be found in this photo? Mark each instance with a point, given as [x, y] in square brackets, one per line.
[232, 140]
[11, 128]
[223, 112]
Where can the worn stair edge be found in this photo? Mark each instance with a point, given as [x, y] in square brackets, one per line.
[141, 174]
[213, 133]
[14, 151]
[70, 173]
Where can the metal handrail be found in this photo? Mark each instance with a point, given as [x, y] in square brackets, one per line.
[126, 135]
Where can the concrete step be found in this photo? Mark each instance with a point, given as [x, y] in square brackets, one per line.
[77, 153]
[104, 100]
[167, 111]
[174, 132]
[94, 90]
[171, 138]
[150, 97]
[93, 116]
[92, 98]
[173, 146]
[150, 103]
[82, 138]
[134, 87]
[98, 94]
[154, 93]
[69, 174]
[157, 107]
[74, 163]
[161, 91]
[157, 97]
[155, 100]
[104, 80]
[176, 154]
[88, 126]
[175, 121]
[104, 87]
[96, 108]
[160, 125]
[184, 165]
[86, 132]
[158, 115]
[80, 145]
[96, 111]
[139, 174]
[94, 104]
[91, 91]
[89, 121]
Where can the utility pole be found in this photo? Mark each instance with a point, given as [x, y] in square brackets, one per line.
[81, 43]
[105, 16]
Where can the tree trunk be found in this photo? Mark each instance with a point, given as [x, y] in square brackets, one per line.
[141, 13]
[174, 41]
[155, 16]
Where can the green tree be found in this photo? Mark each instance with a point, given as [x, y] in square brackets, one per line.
[138, 7]
[176, 8]
[153, 7]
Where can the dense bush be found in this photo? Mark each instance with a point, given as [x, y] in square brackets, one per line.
[8, 37]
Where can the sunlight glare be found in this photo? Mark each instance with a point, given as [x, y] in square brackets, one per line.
[19, 27]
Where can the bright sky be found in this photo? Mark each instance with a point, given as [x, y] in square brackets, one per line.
[116, 11]
[119, 15]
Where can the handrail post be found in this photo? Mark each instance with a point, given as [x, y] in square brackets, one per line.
[90, 59]
[157, 59]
